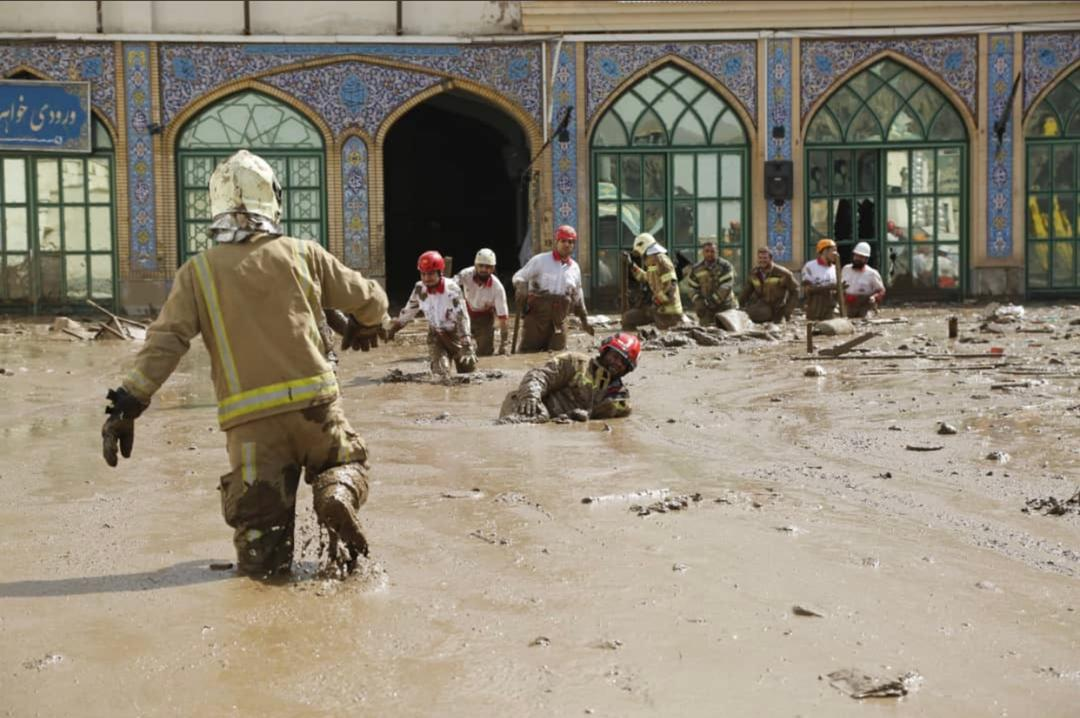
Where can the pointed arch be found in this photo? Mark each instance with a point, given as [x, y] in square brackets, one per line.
[1044, 93]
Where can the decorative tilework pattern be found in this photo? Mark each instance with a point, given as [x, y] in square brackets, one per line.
[354, 176]
[140, 157]
[734, 64]
[999, 168]
[93, 62]
[953, 59]
[779, 113]
[189, 71]
[352, 94]
[1045, 55]
[564, 154]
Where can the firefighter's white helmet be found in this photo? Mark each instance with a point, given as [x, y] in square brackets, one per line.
[642, 242]
[485, 256]
[245, 183]
[862, 249]
[655, 248]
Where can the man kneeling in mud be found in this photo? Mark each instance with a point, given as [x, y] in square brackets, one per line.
[576, 385]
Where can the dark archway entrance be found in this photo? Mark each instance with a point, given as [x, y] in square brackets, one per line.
[451, 167]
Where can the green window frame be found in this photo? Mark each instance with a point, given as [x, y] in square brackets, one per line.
[669, 157]
[1052, 201]
[287, 140]
[57, 228]
[886, 163]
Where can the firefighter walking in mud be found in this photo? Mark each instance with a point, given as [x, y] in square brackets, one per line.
[546, 289]
[449, 334]
[819, 282]
[485, 299]
[663, 282]
[256, 298]
[711, 282]
[576, 386]
[771, 292]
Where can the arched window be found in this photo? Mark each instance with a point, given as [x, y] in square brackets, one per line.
[276, 132]
[886, 165]
[57, 234]
[1053, 189]
[669, 158]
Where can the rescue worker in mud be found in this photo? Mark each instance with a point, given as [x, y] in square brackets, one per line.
[485, 299]
[771, 292]
[663, 282]
[546, 289]
[575, 385]
[449, 334]
[711, 282]
[863, 288]
[819, 282]
[256, 298]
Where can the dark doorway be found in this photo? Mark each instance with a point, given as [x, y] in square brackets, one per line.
[452, 165]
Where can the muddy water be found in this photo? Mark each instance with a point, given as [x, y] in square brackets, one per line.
[518, 599]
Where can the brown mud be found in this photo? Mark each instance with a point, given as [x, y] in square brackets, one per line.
[492, 589]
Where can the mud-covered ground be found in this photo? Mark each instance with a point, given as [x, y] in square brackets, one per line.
[493, 590]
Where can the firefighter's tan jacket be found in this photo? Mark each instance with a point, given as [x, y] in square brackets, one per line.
[570, 381]
[256, 305]
[663, 281]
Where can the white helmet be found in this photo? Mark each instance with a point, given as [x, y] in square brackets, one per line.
[862, 249]
[245, 183]
[485, 256]
[642, 242]
[655, 248]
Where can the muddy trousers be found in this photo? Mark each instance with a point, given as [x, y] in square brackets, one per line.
[636, 317]
[820, 306]
[858, 306]
[545, 324]
[267, 457]
[761, 312]
[441, 351]
[706, 313]
[483, 332]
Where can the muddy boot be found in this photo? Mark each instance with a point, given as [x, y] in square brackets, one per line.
[339, 492]
[264, 552]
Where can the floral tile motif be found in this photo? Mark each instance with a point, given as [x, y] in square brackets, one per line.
[999, 180]
[140, 157]
[92, 62]
[953, 59]
[354, 166]
[734, 64]
[1045, 55]
[189, 71]
[779, 148]
[564, 154]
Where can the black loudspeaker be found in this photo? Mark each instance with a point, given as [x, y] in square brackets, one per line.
[778, 179]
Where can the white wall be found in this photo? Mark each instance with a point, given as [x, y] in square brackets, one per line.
[462, 17]
[48, 16]
[324, 18]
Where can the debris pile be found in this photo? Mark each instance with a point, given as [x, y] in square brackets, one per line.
[858, 684]
[397, 376]
[670, 503]
[116, 327]
[1052, 506]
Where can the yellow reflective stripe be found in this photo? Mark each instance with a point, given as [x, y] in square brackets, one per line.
[276, 395]
[667, 277]
[247, 449]
[300, 253]
[213, 308]
[140, 382]
[773, 280]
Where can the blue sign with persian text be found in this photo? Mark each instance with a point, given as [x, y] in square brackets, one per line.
[45, 116]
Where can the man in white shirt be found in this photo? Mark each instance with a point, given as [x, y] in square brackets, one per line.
[485, 298]
[819, 282]
[443, 304]
[549, 287]
[863, 288]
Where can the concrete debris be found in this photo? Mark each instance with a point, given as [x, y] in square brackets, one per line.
[397, 376]
[680, 568]
[734, 320]
[1006, 314]
[672, 503]
[1001, 457]
[610, 644]
[946, 428]
[40, 664]
[579, 415]
[470, 494]
[858, 684]
[629, 496]
[1052, 506]
[988, 586]
[834, 327]
[540, 641]
[816, 370]
[913, 447]
[800, 610]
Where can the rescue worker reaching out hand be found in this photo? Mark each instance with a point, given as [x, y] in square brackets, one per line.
[572, 383]
[257, 297]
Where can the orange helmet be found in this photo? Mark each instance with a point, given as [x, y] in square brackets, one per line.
[627, 345]
[431, 261]
[566, 232]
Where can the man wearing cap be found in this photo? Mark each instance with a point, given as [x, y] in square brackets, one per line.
[863, 288]
[485, 299]
[546, 289]
[663, 282]
[771, 292]
[711, 282]
[819, 282]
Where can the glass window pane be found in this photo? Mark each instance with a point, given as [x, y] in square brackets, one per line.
[709, 106]
[1064, 98]
[841, 172]
[866, 217]
[197, 204]
[1074, 126]
[71, 170]
[948, 218]
[607, 230]
[252, 120]
[1038, 264]
[304, 172]
[1038, 171]
[48, 226]
[818, 174]
[865, 83]
[49, 277]
[1062, 272]
[648, 88]
[823, 129]
[948, 266]
[922, 172]
[101, 275]
[75, 274]
[1064, 169]
[922, 260]
[98, 180]
[1043, 122]
[14, 180]
[649, 130]
[864, 128]
[655, 176]
[669, 75]
[654, 221]
[884, 104]
[607, 268]
[905, 127]
[304, 204]
[16, 234]
[16, 277]
[896, 221]
[728, 130]
[842, 222]
[706, 175]
[867, 177]
[197, 171]
[906, 82]
[948, 126]
[48, 181]
[843, 105]
[607, 169]
[948, 170]
[689, 87]
[1038, 217]
[731, 178]
[731, 221]
[305, 230]
[926, 102]
[896, 172]
[684, 176]
[898, 272]
[1063, 217]
[102, 140]
[197, 237]
[707, 221]
[74, 229]
[922, 219]
[631, 176]
[101, 229]
[609, 133]
[628, 107]
[819, 219]
[668, 107]
[689, 131]
[684, 224]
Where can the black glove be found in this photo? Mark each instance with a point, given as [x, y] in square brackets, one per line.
[119, 428]
[395, 327]
[336, 320]
[359, 336]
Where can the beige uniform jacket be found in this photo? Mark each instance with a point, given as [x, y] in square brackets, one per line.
[570, 381]
[257, 305]
[663, 282]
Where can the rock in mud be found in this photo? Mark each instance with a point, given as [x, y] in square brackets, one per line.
[734, 320]
[40, 664]
[815, 370]
[988, 586]
[672, 339]
[800, 610]
[579, 415]
[859, 684]
[540, 641]
[1052, 506]
[834, 327]
[1001, 457]
[671, 503]
[946, 428]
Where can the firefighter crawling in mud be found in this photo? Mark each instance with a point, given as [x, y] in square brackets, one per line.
[443, 303]
[257, 298]
[576, 386]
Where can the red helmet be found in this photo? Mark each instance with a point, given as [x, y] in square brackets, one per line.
[566, 232]
[431, 261]
[627, 345]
